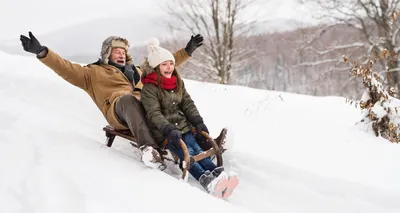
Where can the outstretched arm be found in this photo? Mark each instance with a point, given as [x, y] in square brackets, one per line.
[182, 55]
[73, 73]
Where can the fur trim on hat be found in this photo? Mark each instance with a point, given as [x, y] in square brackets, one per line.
[113, 42]
[146, 68]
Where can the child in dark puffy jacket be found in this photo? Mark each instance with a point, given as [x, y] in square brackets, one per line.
[171, 114]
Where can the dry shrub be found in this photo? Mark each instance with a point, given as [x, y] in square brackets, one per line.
[380, 109]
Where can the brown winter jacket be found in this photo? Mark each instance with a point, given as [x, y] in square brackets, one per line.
[104, 83]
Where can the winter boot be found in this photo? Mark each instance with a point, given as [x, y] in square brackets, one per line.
[215, 186]
[233, 182]
[151, 158]
[217, 171]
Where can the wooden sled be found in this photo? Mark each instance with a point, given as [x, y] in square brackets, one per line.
[111, 133]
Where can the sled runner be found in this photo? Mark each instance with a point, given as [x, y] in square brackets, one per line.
[213, 147]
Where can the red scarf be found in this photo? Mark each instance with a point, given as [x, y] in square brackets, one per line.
[166, 83]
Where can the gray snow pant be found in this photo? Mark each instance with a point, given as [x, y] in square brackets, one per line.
[131, 113]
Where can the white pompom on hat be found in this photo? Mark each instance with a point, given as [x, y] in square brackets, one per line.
[157, 54]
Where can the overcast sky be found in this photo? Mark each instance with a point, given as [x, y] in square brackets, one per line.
[68, 25]
[19, 16]
[44, 16]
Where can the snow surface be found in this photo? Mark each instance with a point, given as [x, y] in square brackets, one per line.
[293, 153]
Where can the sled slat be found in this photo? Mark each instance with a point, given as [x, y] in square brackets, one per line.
[203, 155]
[124, 134]
[111, 133]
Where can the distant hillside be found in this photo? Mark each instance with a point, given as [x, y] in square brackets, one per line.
[82, 42]
[85, 38]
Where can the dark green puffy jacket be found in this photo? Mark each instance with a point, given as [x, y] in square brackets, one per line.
[164, 107]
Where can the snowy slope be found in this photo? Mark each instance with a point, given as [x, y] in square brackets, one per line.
[294, 153]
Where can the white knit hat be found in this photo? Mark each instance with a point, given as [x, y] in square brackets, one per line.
[157, 54]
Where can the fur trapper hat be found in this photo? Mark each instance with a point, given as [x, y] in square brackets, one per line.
[113, 42]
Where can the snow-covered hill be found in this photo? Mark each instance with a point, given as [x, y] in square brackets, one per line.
[294, 153]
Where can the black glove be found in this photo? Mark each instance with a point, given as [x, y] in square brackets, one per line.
[201, 127]
[172, 134]
[203, 142]
[198, 123]
[31, 44]
[194, 43]
[174, 137]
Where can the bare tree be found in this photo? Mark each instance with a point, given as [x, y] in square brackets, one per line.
[373, 20]
[225, 29]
